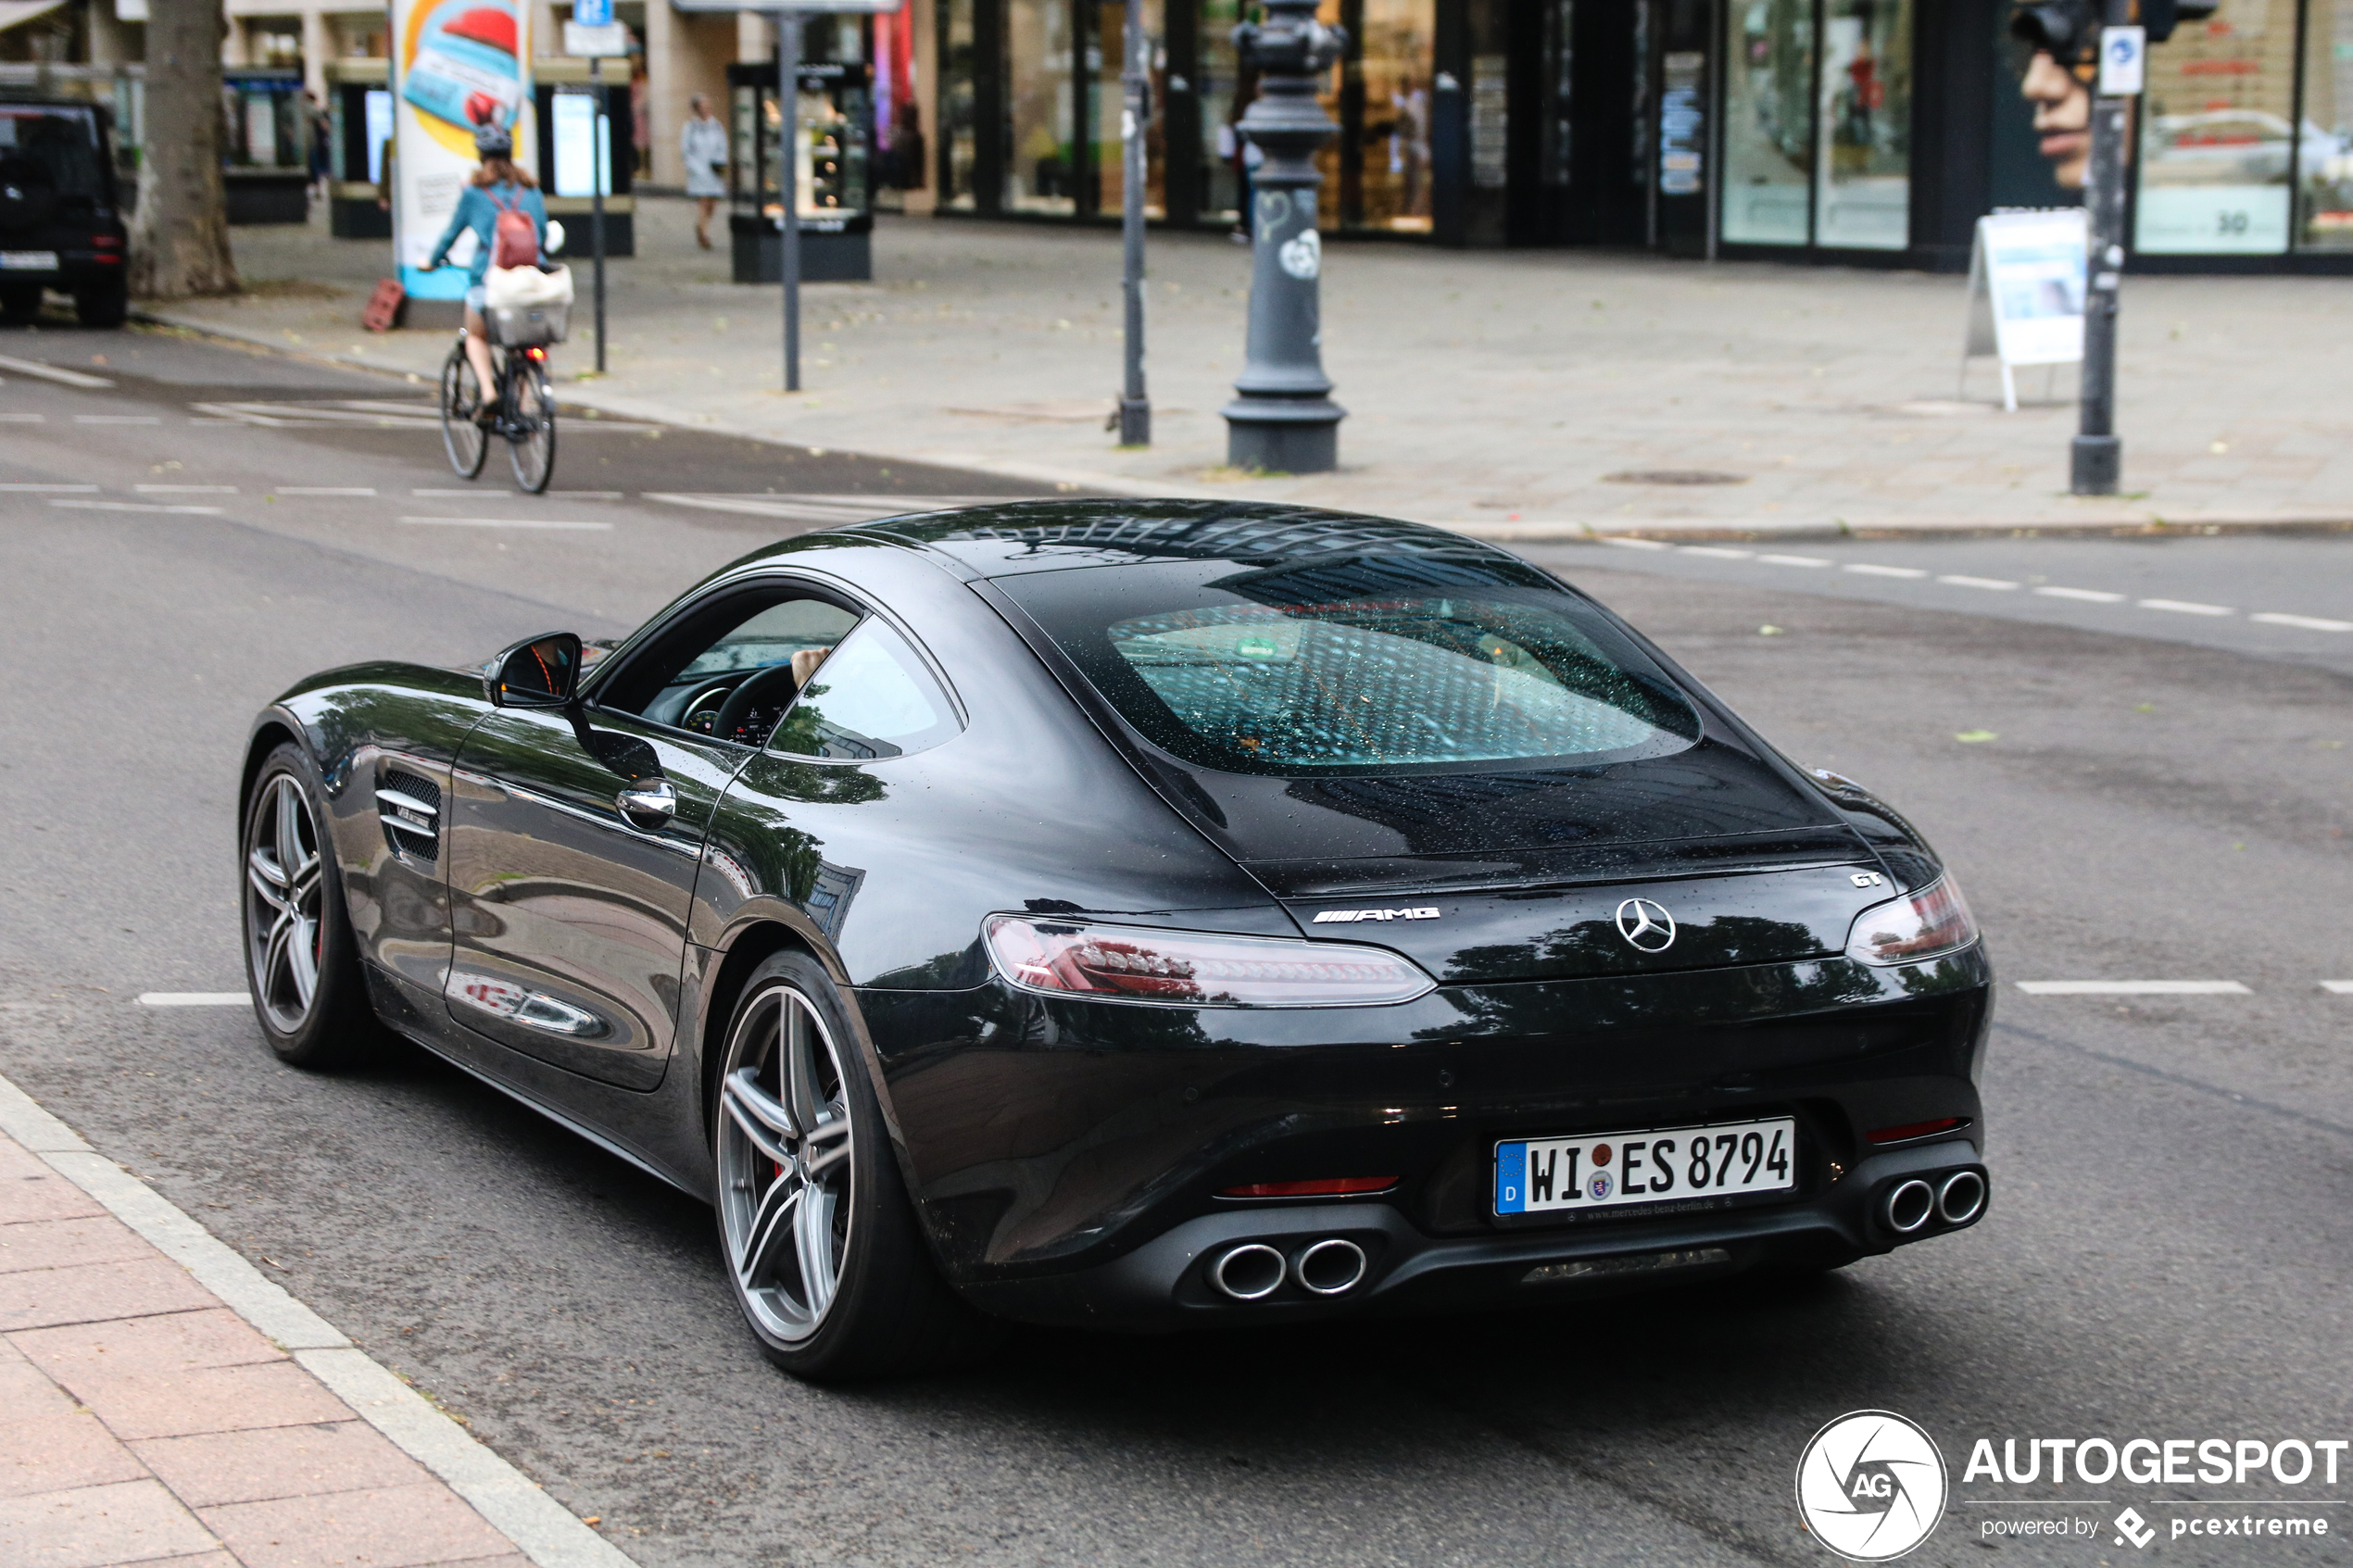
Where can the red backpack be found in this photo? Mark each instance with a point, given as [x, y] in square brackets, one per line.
[515, 241]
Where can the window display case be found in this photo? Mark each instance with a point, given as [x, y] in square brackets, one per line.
[267, 160]
[359, 111]
[834, 115]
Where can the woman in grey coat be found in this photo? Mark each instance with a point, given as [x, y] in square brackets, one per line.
[702, 145]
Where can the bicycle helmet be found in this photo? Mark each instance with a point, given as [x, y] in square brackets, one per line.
[494, 140]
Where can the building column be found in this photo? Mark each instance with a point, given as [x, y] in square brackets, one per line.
[318, 45]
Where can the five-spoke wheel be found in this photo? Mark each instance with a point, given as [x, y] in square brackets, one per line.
[300, 963]
[786, 1174]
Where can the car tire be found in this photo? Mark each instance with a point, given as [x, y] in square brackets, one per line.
[102, 305]
[294, 922]
[816, 1190]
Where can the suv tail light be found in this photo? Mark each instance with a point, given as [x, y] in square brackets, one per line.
[1130, 963]
[1914, 928]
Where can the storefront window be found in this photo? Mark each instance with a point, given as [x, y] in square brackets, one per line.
[1041, 175]
[1400, 43]
[1863, 166]
[1768, 123]
[2324, 165]
[1216, 80]
[1107, 55]
[958, 111]
[2216, 137]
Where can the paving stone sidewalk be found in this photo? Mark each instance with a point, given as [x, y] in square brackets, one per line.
[143, 1421]
[1510, 391]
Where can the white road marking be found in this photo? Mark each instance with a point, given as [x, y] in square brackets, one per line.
[1621, 543]
[864, 509]
[2132, 988]
[1872, 569]
[322, 489]
[1718, 551]
[52, 372]
[39, 489]
[138, 506]
[194, 998]
[185, 489]
[501, 523]
[2088, 595]
[1794, 560]
[589, 495]
[117, 419]
[2187, 607]
[2308, 623]
[444, 495]
[2341, 988]
[1960, 582]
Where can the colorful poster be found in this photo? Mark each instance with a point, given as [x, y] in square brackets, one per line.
[457, 64]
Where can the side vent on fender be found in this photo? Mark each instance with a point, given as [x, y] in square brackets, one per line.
[410, 809]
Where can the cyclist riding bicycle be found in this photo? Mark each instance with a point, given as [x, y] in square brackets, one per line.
[499, 187]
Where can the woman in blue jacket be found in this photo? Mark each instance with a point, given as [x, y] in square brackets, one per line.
[497, 184]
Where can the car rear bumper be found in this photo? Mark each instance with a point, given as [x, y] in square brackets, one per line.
[1168, 1284]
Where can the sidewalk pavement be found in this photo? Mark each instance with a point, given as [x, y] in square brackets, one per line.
[144, 1418]
[1517, 394]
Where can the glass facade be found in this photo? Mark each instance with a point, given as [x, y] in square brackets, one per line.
[2217, 134]
[1768, 121]
[2324, 162]
[1041, 172]
[1817, 123]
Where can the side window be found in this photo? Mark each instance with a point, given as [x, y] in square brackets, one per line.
[687, 678]
[871, 697]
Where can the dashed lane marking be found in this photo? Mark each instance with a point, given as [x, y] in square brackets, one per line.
[185, 489]
[2186, 607]
[2088, 595]
[322, 489]
[1872, 569]
[52, 372]
[2134, 988]
[1718, 551]
[503, 522]
[48, 489]
[2338, 987]
[2308, 623]
[1997, 584]
[1794, 560]
[193, 998]
[138, 506]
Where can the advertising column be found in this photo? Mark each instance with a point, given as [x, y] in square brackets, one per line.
[457, 64]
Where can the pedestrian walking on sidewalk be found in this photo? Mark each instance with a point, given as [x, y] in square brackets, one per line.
[702, 145]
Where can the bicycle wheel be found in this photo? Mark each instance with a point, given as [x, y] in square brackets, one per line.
[467, 442]
[530, 429]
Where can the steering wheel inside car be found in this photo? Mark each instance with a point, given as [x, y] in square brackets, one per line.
[754, 708]
[700, 712]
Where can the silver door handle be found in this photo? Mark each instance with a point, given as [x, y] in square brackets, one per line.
[648, 804]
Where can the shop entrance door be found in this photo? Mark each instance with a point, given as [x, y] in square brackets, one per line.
[1572, 122]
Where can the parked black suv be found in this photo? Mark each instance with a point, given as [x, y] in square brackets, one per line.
[60, 223]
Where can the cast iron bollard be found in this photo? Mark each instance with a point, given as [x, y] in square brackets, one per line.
[1284, 417]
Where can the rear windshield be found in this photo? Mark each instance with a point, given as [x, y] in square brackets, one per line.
[57, 149]
[1359, 665]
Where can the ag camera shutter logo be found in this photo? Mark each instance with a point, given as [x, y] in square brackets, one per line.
[1872, 1486]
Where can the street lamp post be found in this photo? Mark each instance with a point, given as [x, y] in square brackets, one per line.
[1135, 114]
[1284, 417]
[2095, 459]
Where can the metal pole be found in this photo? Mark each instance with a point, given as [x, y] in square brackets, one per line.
[1135, 114]
[2095, 459]
[598, 161]
[788, 183]
[1283, 418]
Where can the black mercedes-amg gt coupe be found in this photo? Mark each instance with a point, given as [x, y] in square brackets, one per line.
[1138, 915]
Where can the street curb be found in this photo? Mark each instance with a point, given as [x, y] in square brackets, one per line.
[541, 1528]
[1539, 532]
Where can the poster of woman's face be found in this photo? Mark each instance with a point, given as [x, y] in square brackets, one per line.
[2062, 118]
[2042, 125]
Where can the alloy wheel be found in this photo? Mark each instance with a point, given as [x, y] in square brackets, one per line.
[785, 1166]
[285, 879]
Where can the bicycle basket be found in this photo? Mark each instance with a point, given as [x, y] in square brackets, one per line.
[527, 326]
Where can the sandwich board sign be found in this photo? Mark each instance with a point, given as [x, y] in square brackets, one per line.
[2026, 293]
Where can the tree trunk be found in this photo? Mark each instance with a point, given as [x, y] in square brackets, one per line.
[180, 235]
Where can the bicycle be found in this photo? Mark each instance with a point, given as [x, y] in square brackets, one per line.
[524, 411]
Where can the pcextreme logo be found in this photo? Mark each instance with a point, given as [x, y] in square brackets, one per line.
[1872, 1486]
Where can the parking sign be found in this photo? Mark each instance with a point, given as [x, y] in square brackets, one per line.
[2124, 60]
[592, 13]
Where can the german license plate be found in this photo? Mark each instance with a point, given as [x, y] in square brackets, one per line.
[1656, 1165]
[29, 260]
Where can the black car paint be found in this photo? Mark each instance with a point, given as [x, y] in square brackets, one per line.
[1060, 1151]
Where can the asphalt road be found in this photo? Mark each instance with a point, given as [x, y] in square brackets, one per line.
[2166, 1255]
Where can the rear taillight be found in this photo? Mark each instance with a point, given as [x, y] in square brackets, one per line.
[1129, 963]
[1916, 927]
[1330, 1186]
[1911, 1130]
[538, 355]
[104, 241]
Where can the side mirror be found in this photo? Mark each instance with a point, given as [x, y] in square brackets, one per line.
[539, 672]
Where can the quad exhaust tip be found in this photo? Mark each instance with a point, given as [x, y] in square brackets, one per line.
[1249, 1273]
[1961, 1198]
[1910, 1206]
[1330, 1267]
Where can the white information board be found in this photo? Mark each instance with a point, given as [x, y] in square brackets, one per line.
[2026, 292]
